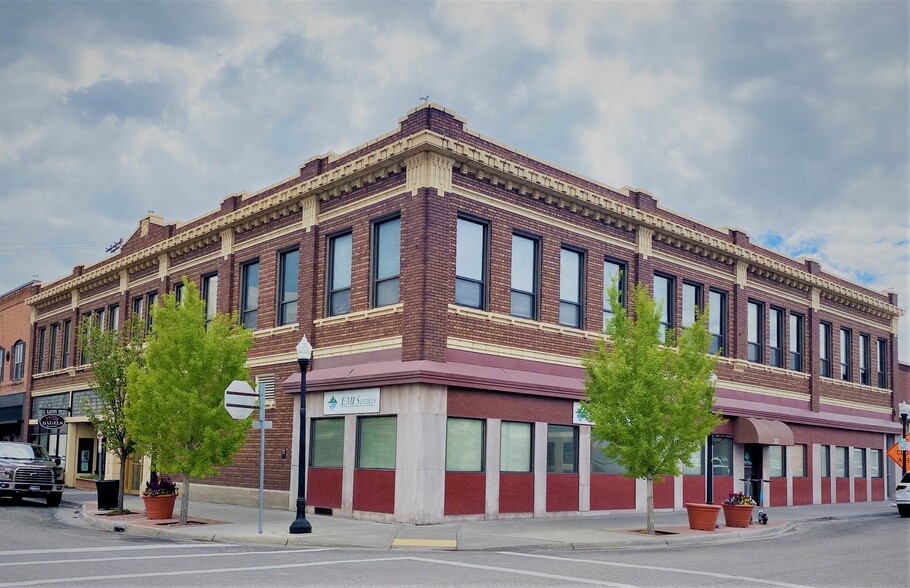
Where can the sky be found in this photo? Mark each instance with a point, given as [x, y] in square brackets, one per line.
[788, 120]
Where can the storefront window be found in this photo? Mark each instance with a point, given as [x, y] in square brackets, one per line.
[826, 461]
[515, 453]
[601, 463]
[875, 463]
[464, 445]
[562, 449]
[696, 468]
[798, 461]
[840, 462]
[376, 441]
[327, 446]
[722, 460]
[859, 462]
[776, 461]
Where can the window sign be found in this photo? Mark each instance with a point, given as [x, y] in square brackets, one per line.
[351, 401]
[580, 415]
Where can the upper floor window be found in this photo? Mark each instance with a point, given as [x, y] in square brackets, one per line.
[137, 307]
[571, 264]
[525, 261]
[67, 334]
[824, 349]
[18, 360]
[288, 269]
[664, 288]
[2, 362]
[754, 331]
[339, 274]
[113, 317]
[776, 337]
[249, 294]
[178, 293]
[717, 321]
[52, 360]
[42, 347]
[210, 296]
[151, 299]
[98, 319]
[691, 297]
[846, 355]
[471, 263]
[83, 340]
[386, 262]
[865, 360]
[613, 272]
[882, 363]
[796, 342]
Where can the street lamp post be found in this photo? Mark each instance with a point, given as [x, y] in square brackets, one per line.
[905, 412]
[300, 524]
[709, 457]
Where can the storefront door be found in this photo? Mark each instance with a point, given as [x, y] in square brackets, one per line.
[134, 474]
[752, 470]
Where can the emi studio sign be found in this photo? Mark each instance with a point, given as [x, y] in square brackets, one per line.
[51, 422]
[351, 401]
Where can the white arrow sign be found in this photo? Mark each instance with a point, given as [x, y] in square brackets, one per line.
[240, 399]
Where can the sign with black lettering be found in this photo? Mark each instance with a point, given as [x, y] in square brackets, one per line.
[51, 422]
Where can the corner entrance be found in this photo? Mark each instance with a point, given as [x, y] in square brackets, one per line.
[752, 470]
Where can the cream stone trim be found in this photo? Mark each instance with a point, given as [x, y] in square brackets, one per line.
[855, 386]
[359, 347]
[361, 315]
[699, 269]
[309, 212]
[124, 281]
[742, 277]
[854, 405]
[40, 316]
[894, 325]
[429, 170]
[267, 360]
[59, 389]
[143, 282]
[59, 372]
[227, 242]
[512, 352]
[263, 333]
[868, 322]
[162, 266]
[644, 239]
[360, 204]
[505, 319]
[178, 269]
[541, 218]
[266, 237]
[770, 290]
[74, 299]
[815, 298]
[90, 301]
[765, 391]
[741, 365]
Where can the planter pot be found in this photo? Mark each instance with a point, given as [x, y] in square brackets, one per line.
[737, 515]
[108, 493]
[159, 507]
[702, 517]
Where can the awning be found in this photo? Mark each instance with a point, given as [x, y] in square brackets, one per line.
[761, 431]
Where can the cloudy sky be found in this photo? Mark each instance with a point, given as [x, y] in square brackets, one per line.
[788, 120]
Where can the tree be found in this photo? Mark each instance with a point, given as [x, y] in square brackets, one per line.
[111, 352]
[650, 401]
[176, 412]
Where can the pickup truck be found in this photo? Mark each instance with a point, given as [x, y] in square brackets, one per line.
[27, 470]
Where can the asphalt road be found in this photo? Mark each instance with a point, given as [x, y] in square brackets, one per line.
[37, 549]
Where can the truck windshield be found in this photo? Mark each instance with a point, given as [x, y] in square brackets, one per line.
[23, 451]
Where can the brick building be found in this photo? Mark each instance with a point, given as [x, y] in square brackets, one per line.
[449, 285]
[15, 346]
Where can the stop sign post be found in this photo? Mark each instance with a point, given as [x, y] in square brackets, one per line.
[240, 399]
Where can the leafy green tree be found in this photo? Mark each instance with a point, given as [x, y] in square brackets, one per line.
[650, 401]
[176, 412]
[111, 352]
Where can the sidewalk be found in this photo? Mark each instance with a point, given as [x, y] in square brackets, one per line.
[238, 524]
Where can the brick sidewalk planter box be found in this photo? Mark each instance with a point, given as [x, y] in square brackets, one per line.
[702, 517]
[738, 515]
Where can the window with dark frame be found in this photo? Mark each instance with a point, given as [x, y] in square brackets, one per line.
[524, 279]
[471, 261]
[42, 347]
[52, 360]
[178, 293]
[18, 360]
[571, 277]
[826, 461]
[2, 362]
[859, 462]
[562, 449]
[288, 286]
[776, 337]
[98, 319]
[386, 262]
[865, 360]
[151, 300]
[798, 461]
[67, 333]
[113, 317]
[614, 271]
[83, 347]
[824, 349]
[137, 308]
[339, 273]
[846, 355]
[796, 342]
[754, 331]
[691, 303]
[664, 290]
[717, 321]
[210, 296]
[249, 294]
[875, 463]
[841, 462]
[882, 363]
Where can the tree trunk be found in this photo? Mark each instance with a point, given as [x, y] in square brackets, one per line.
[123, 459]
[649, 482]
[185, 501]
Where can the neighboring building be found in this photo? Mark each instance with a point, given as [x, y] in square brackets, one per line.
[449, 285]
[15, 347]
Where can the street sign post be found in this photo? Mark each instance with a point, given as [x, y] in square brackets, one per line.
[239, 399]
[896, 453]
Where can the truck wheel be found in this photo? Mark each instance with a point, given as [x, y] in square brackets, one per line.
[903, 510]
[54, 498]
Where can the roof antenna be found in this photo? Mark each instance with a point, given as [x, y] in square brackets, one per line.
[426, 98]
[114, 247]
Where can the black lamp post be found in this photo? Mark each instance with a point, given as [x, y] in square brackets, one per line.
[300, 524]
[709, 457]
[905, 412]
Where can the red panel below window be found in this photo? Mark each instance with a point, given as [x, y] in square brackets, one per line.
[374, 490]
[663, 492]
[859, 490]
[826, 490]
[562, 492]
[843, 490]
[693, 489]
[723, 487]
[324, 487]
[516, 492]
[465, 493]
[878, 489]
[802, 490]
[778, 488]
[612, 492]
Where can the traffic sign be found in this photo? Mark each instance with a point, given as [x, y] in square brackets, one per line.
[895, 453]
[240, 399]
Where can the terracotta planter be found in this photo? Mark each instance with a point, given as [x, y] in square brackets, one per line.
[159, 507]
[702, 517]
[737, 515]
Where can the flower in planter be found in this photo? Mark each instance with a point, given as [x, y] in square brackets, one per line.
[739, 499]
[160, 486]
